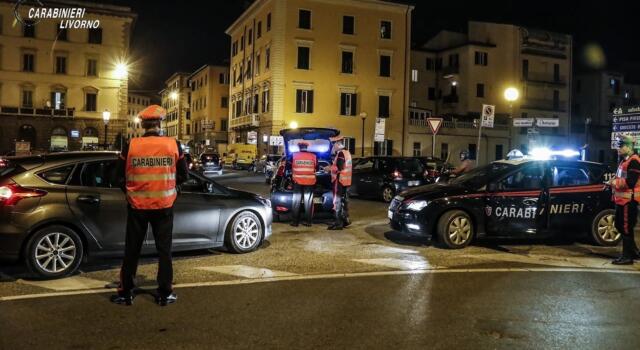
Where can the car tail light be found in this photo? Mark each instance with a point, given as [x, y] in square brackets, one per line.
[11, 194]
[396, 175]
[279, 208]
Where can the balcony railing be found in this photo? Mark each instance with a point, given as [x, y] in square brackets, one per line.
[39, 112]
[544, 104]
[545, 78]
[251, 120]
[450, 70]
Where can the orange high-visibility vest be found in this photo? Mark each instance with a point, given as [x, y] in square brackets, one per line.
[303, 168]
[622, 194]
[151, 172]
[344, 175]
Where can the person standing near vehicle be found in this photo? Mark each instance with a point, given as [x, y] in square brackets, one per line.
[626, 193]
[340, 182]
[465, 166]
[150, 168]
[303, 168]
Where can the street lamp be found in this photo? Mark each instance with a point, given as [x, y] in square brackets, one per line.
[106, 115]
[363, 115]
[293, 125]
[121, 70]
[173, 95]
[511, 94]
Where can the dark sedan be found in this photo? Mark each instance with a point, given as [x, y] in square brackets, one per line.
[57, 209]
[523, 198]
[384, 177]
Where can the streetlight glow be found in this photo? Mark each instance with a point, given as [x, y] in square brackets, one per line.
[293, 125]
[106, 115]
[173, 95]
[511, 94]
[136, 120]
[121, 71]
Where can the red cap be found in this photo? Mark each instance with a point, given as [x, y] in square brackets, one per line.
[153, 112]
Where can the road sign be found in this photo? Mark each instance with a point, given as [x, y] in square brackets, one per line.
[380, 129]
[435, 124]
[626, 121]
[208, 124]
[276, 140]
[488, 115]
[523, 122]
[548, 122]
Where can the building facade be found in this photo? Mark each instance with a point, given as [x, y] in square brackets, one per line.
[137, 101]
[56, 84]
[321, 63]
[176, 99]
[210, 108]
[454, 74]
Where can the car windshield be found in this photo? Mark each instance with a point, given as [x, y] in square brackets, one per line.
[478, 177]
[410, 165]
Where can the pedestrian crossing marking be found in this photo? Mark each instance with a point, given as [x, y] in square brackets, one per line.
[246, 271]
[398, 264]
[65, 284]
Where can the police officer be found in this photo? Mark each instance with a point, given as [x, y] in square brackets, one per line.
[340, 180]
[303, 169]
[626, 193]
[466, 164]
[150, 167]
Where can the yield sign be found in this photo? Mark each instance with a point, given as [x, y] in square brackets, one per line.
[434, 124]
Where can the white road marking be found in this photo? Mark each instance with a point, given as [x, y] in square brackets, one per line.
[550, 260]
[69, 283]
[246, 271]
[399, 264]
[331, 276]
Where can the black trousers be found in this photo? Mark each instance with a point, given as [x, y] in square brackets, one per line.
[161, 221]
[340, 204]
[626, 218]
[304, 194]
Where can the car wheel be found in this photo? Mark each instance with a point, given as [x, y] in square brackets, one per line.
[603, 229]
[455, 229]
[54, 251]
[388, 193]
[245, 233]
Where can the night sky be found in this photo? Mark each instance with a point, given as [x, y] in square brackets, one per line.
[172, 36]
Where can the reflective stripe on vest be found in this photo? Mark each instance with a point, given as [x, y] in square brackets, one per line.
[344, 175]
[151, 172]
[303, 168]
[622, 194]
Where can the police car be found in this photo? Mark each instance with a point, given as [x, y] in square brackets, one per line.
[511, 198]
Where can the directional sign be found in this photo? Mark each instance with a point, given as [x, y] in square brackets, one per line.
[435, 124]
[488, 114]
[626, 121]
[548, 122]
[523, 122]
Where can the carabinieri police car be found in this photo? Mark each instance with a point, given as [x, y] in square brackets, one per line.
[511, 198]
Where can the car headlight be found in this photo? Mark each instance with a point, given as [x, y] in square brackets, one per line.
[415, 205]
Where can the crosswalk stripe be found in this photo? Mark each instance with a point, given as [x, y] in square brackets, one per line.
[246, 271]
[398, 264]
[69, 283]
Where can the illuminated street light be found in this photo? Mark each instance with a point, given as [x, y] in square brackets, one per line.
[511, 94]
[173, 95]
[293, 125]
[363, 115]
[454, 83]
[106, 115]
[121, 71]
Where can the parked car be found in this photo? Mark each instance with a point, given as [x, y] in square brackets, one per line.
[267, 160]
[57, 209]
[383, 177]
[210, 164]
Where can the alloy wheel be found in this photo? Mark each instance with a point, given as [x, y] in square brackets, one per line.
[459, 230]
[607, 229]
[55, 252]
[387, 194]
[246, 232]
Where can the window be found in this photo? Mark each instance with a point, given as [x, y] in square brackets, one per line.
[383, 106]
[384, 148]
[414, 75]
[57, 99]
[481, 58]
[29, 29]
[61, 65]
[95, 36]
[61, 33]
[254, 105]
[444, 150]
[525, 69]
[556, 100]
[473, 151]
[347, 62]
[417, 149]
[268, 22]
[242, 42]
[250, 37]
[304, 101]
[28, 62]
[499, 152]
[304, 19]
[224, 102]
[439, 63]
[431, 94]
[257, 65]
[615, 86]
[385, 66]
[556, 72]
[188, 129]
[348, 24]
[100, 174]
[221, 78]
[364, 164]
[566, 176]
[385, 29]
[454, 60]
[265, 101]
[92, 67]
[303, 57]
[479, 90]
[234, 48]
[267, 58]
[529, 178]
[57, 176]
[430, 64]
[224, 124]
[259, 30]
[91, 102]
[27, 98]
[348, 103]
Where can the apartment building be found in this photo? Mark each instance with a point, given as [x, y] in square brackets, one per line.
[176, 99]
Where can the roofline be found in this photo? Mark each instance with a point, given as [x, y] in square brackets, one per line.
[175, 74]
[205, 66]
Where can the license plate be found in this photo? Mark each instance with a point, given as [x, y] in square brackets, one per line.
[317, 200]
[414, 183]
[390, 214]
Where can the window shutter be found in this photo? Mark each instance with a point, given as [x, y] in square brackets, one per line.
[298, 101]
[310, 101]
[343, 104]
[354, 103]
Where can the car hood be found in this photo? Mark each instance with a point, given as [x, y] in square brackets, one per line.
[435, 191]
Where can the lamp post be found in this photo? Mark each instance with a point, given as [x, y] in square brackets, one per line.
[136, 122]
[106, 115]
[511, 94]
[363, 115]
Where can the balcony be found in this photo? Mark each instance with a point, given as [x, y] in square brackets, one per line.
[545, 78]
[37, 112]
[450, 70]
[544, 104]
[450, 99]
[245, 121]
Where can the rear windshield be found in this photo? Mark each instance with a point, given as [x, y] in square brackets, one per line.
[410, 165]
[209, 157]
[273, 158]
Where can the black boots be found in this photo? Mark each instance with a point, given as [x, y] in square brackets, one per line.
[623, 261]
[122, 299]
[166, 300]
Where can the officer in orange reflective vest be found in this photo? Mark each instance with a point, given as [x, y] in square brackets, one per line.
[303, 169]
[340, 181]
[150, 167]
[626, 195]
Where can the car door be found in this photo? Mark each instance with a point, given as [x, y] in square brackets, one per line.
[574, 196]
[361, 176]
[515, 203]
[98, 203]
